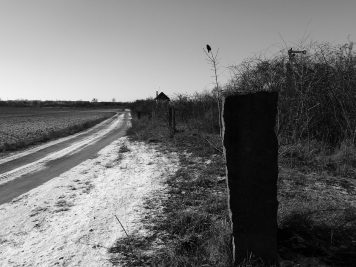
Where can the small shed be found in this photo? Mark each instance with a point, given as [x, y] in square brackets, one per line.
[162, 97]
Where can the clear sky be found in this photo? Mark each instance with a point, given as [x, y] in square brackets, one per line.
[81, 49]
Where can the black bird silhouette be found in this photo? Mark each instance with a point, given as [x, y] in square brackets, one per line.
[208, 48]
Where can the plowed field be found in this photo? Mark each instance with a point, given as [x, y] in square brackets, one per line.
[21, 127]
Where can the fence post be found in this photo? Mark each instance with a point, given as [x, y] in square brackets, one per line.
[169, 117]
[251, 152]
[290, 90]
[171, 120]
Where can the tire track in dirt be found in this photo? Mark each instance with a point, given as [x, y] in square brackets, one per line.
[24, 178]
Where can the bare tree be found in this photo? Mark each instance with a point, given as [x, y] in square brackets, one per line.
[213, 61]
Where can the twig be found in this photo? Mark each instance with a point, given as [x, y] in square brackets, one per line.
[121, 225]
[212, 145]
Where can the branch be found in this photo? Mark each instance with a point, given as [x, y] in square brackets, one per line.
[211, 144]
[121, 225]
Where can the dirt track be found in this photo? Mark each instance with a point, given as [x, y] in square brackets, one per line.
[24, 171]
[70, 220]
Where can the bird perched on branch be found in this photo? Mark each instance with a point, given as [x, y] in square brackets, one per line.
[208, 48]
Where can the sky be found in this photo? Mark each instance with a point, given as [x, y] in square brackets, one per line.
[128, 50]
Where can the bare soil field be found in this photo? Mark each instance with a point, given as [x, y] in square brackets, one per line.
[21, 127]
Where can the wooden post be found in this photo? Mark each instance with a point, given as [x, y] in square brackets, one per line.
[169, 117]
[290, 89]
[171, 120]
[251, 151]
[291, 81]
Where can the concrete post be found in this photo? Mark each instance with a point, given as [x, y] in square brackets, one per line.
[251, 151]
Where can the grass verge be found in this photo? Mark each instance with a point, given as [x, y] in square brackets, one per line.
[317, 211]
[193, 227]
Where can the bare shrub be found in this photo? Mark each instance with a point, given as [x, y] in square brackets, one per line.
[317, 95]
[317, 91]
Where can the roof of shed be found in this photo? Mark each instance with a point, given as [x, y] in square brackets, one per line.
[162, 96]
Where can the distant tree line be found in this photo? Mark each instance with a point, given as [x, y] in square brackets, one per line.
[61, 104]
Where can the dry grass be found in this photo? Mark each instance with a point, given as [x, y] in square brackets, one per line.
[194, 225]
[124, 149]
[316, 156]
[317, 212]
[317, 216]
